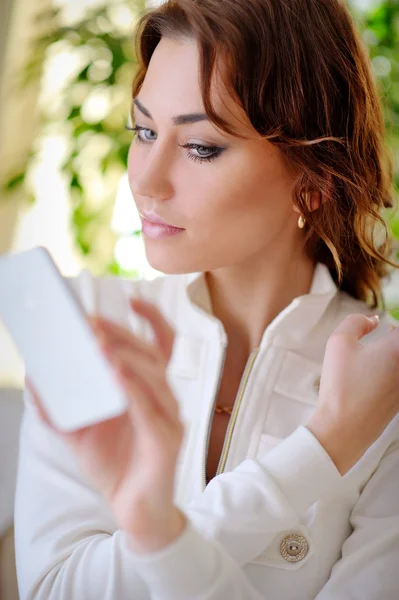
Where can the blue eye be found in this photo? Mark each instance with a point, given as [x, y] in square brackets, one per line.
[213, 151]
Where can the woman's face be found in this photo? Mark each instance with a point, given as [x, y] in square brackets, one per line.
[232, 197]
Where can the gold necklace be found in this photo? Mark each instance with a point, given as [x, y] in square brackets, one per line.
[223, 409]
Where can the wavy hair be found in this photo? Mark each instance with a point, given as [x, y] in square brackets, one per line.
[300, 71]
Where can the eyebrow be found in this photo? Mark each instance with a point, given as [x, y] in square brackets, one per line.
[179, 119]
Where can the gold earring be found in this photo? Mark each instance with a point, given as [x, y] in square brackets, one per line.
[301, 222]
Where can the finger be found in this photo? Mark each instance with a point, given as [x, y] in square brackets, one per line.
[143, 412]
[354, 327]
[151, 376]
[142, 407]
[164, 332]
[111, 333]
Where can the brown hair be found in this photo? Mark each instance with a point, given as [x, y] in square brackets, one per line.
[301, 73]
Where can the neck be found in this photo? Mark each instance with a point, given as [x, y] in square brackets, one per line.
[246, 299]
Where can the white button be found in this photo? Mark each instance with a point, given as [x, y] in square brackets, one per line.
[294, 547]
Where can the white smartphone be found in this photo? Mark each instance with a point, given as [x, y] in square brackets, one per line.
[63, 359]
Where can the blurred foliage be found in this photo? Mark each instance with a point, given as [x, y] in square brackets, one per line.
[380, 32]
[92, 110]
[99, 144]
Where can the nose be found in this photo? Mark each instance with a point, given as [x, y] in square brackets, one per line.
[150, 172]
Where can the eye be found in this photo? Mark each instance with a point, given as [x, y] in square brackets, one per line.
[211, 152]
[138, 130]
[205, 153]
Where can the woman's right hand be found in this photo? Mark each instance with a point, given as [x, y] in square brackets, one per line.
[359, 391]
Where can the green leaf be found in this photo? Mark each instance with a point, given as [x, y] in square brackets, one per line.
[395, 313]
[14, 182]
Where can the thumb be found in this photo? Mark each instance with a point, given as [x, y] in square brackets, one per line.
[357, 326]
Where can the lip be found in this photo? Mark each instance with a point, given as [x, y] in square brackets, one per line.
[154, 218]
[157, 231]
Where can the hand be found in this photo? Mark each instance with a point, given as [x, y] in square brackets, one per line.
[359, 391]
[131, 459]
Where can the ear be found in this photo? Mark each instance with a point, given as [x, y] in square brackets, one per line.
[315, 200]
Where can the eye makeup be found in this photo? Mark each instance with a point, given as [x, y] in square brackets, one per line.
[213, 151]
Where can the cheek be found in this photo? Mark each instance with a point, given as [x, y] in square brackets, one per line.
[239, 208]
[226, 219]
[228, 194]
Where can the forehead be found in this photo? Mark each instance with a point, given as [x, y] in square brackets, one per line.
[172, 84]
[172, 77]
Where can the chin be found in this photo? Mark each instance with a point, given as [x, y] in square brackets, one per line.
[169, 267]
[173, 260]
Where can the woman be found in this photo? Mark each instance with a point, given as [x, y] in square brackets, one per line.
[238, 472]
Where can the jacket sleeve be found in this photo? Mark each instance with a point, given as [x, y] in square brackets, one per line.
[68, 545]
[368, 567]
[236, 517]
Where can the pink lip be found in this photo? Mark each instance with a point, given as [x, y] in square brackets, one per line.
[154, 218]
[158, 231]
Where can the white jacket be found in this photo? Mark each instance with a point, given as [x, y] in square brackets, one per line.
[274, 479]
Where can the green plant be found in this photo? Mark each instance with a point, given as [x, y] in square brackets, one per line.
[98, 142]
[98, 145]
[380, 31]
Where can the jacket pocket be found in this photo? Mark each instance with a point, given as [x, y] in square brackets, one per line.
[266, 443]
[299, 378]
[292, 401]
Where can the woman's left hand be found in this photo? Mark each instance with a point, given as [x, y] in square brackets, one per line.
[132, 458]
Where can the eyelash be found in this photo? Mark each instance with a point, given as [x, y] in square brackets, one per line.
[216, 154]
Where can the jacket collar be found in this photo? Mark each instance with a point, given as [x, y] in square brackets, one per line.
[292, 325]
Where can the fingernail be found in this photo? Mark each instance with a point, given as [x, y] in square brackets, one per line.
[375, 319]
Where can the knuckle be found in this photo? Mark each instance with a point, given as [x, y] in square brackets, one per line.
[353, 318]
[338, 336]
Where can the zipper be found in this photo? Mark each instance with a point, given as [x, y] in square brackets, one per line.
[205, 450]
[234, 415]
[235, 411]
